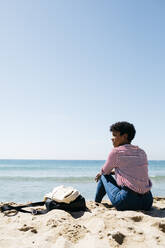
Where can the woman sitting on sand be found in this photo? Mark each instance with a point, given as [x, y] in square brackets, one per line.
[131, 189]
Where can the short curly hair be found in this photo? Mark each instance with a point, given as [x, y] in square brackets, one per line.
[124, 127]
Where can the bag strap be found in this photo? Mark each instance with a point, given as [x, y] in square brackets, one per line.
[8, 207]
[49, 204]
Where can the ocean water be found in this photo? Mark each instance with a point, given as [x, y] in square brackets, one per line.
[30, 180]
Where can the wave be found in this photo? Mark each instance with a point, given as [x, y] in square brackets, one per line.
[158, 178]
[83, 179]
[48, 179]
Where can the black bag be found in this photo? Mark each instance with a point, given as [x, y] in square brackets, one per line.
[77, 205]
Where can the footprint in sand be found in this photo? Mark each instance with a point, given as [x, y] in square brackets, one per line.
[26, 228]
[117, 236]
[131, 229]
[73, 232]
[162, 227]
[137, 218]
[55, 223]
[100, 235]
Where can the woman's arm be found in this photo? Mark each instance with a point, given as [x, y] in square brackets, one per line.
[110, 164]
[97, 178]
[108, 167]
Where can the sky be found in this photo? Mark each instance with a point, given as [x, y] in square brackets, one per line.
[71, 68]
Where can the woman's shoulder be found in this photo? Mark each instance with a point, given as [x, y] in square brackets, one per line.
[129, 148]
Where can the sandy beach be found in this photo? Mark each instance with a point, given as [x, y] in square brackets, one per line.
[100, 226]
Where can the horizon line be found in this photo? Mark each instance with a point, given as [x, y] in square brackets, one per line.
[49, 159]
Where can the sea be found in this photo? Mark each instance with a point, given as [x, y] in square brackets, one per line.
[22, 181]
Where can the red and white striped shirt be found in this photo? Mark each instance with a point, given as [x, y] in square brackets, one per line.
[131, 167]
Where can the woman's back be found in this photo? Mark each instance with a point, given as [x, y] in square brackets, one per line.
[132, 168]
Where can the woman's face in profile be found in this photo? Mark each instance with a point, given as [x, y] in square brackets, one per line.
[118, 140]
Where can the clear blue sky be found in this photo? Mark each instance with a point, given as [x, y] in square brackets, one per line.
[69, 69]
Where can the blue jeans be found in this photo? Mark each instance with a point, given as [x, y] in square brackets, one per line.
[122, 198]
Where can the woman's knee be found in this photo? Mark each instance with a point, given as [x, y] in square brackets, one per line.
[108, 178]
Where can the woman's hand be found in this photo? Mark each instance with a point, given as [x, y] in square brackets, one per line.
[97, 177]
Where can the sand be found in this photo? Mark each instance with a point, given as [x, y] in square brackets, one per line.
[100, 227]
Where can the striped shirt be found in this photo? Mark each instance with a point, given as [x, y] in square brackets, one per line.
[131, 167]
